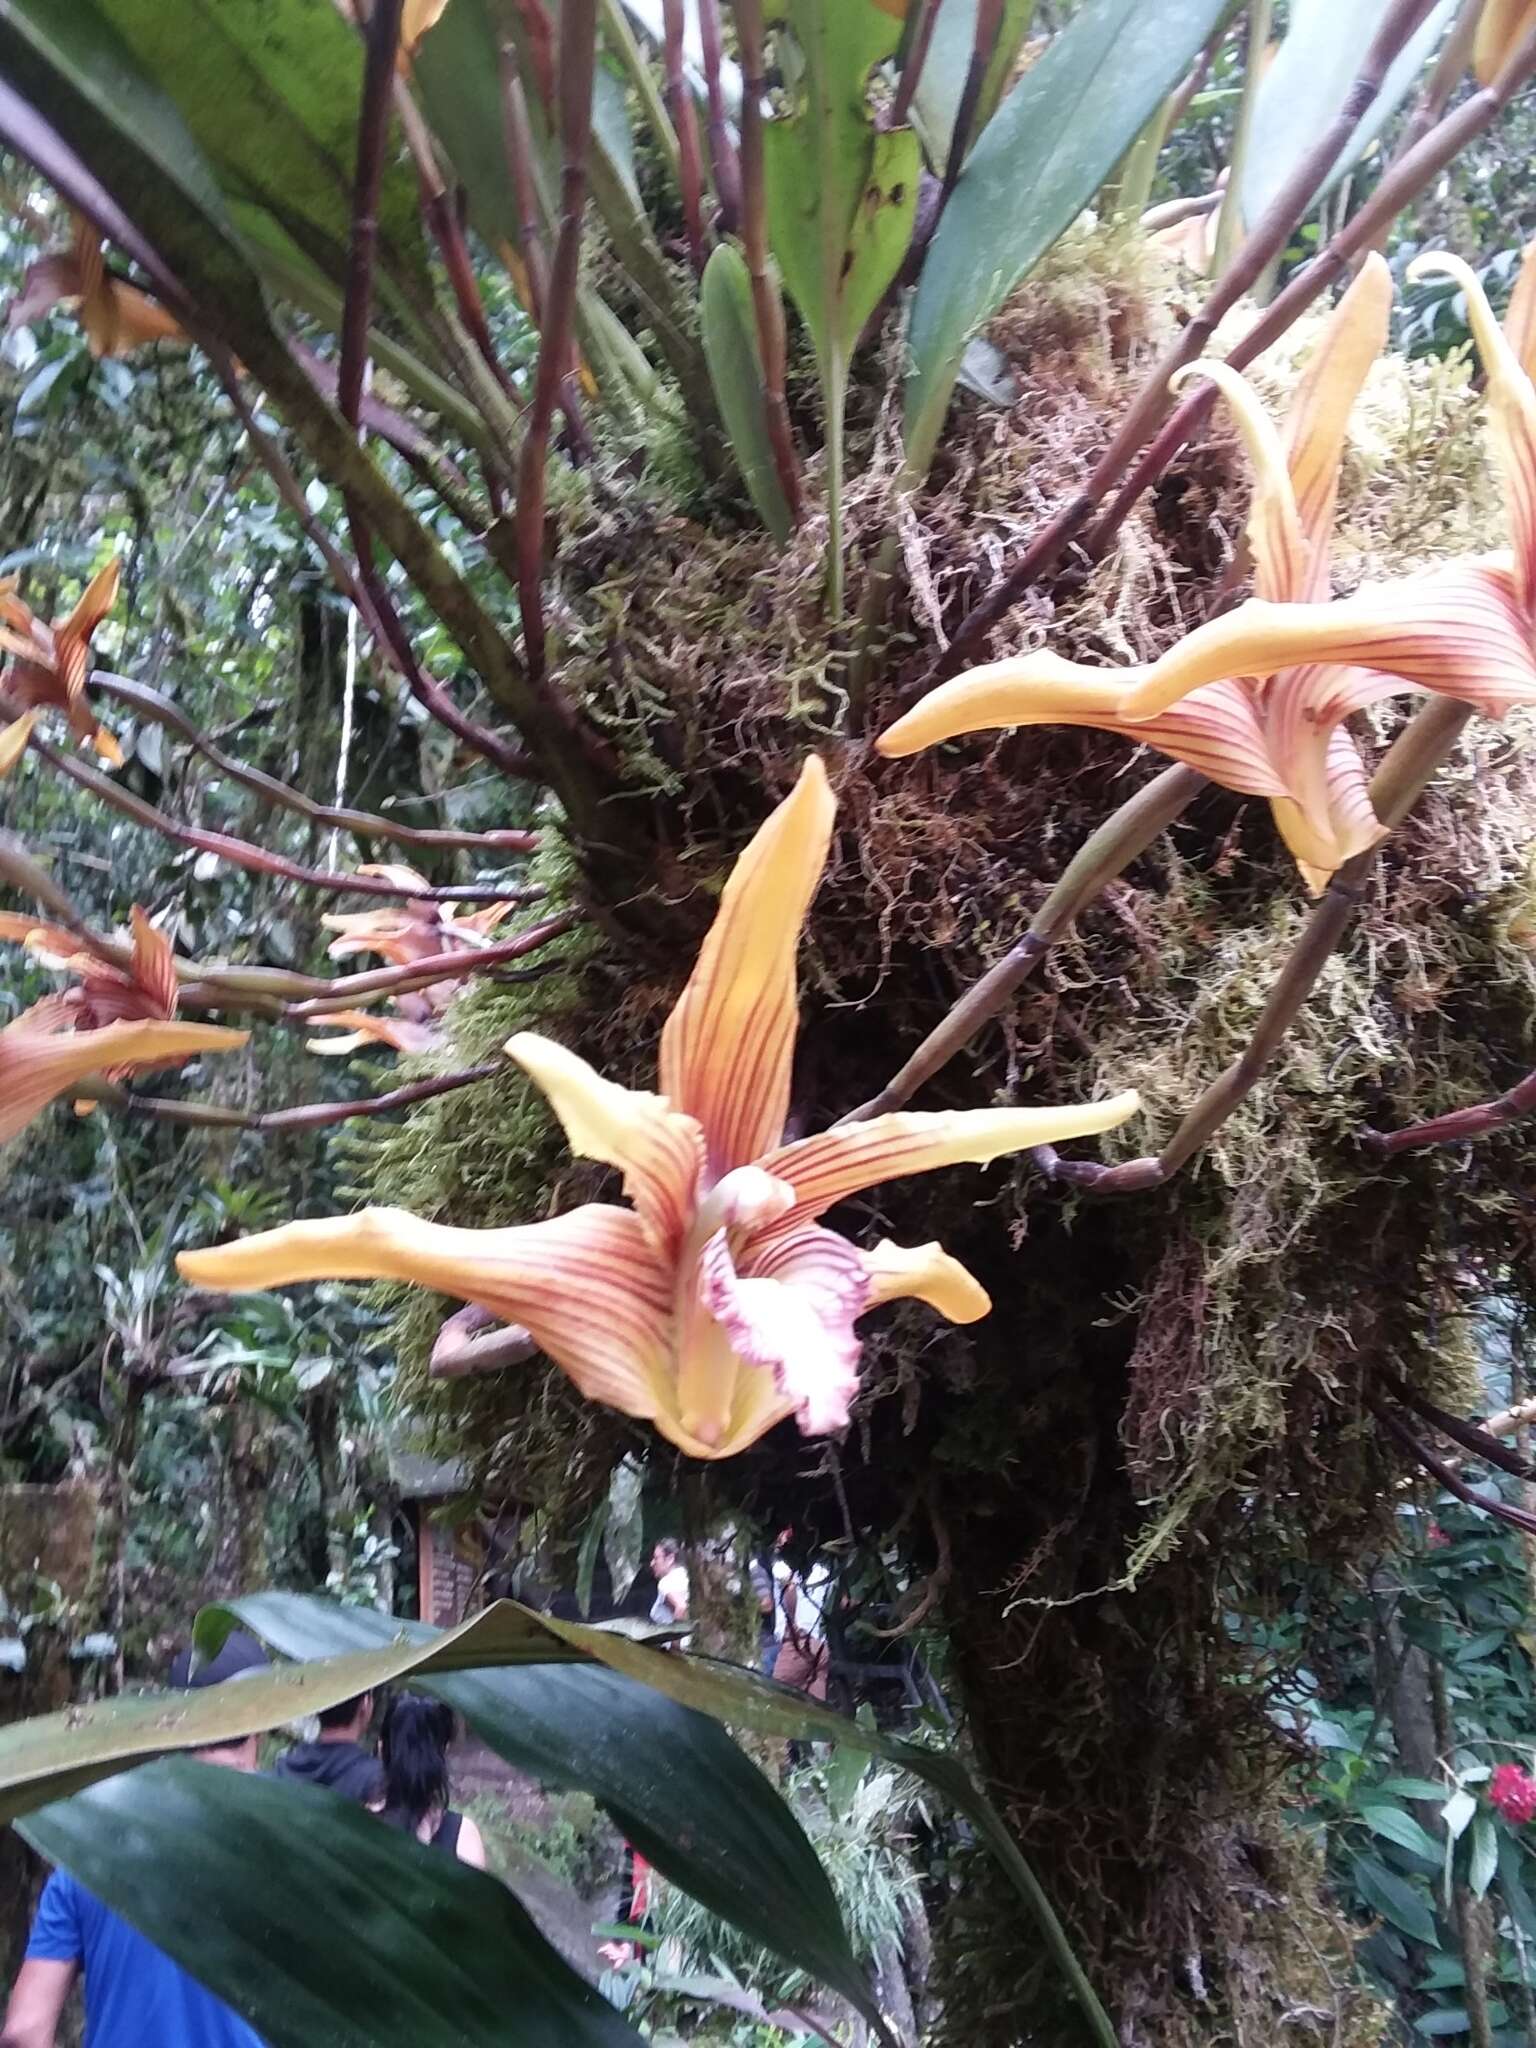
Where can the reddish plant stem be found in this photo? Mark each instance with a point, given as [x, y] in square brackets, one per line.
[989, 19]
[540, 33]
[1480, 1443]
[382, 38]
[148, 703]
[920, 40]
[680, 107]
[1153, 402]
[1451, 1480]
[723, 162]
[578, 60]
[309, 1116]
[517, 137]
[341, 993]
[241, 853]
[1458, 1126]
[767, 305]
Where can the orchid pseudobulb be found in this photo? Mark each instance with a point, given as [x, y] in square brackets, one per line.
[715, 1304]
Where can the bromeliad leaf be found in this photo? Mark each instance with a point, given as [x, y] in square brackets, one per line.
[736, 371]
[842, 195]
[1048, 149]
[244, 1881]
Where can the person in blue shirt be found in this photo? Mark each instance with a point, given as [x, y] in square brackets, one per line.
[135, 1996]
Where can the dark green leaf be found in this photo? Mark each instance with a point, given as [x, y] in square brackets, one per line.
[1404, 1904]
[736, 371]
[1450, 2020]
[1512, 1887]
[247, 1884]
[1483, 1855]
[1413, 1788]
[1047, 150]
[1393, 1825]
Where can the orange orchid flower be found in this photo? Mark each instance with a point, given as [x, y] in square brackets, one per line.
[1466, 629]
[1501, 27]
[115, 1022]
[117, 317]
[49, 664]
[410, 931]
[715, 1304]
[13, 741]
[364, 1027]
[1266, 727]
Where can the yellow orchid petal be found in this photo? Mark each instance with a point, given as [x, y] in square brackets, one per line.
[587, 1285]
[1511, 410]
[925, 1272]
[107, 747]
[400, 872]
[41, 1058]
[659, 1150]
[1520, 319]
[95, 602]
[13, 741]
[1501, 27]
[1318, 420]
[728, 1047]
[1461, 631]
[837, 1163]
[1274, 526]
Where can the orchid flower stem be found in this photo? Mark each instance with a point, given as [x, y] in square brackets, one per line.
[1270, 235]
[917, 40]
[1103, 855]
[577, 69]
[150, 704]
[1458, 1125]
[685, 126]
[989, 19]
[723, 164]
[1229, 229]
[383, 38]
[1480, 1441]
[1450, 1479]
[1409, 764]
[308, 1116]
[340, 993]
[517, 136]
[767, 304]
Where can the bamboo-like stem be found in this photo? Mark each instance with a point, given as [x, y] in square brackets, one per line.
[578, 63]
[724, 166]
[342, 992]
[1449, 68]
[1105, 854]
[307, 1116]
[1153, 401]
[1229, 229]
[382, 39]
[1481, 1440]
[917, 41]
[148, 703]
[1409, 764]
[690, 175]
[518, 140]
[989, 19]
[240, 853]
[620, 37]
[767, 305]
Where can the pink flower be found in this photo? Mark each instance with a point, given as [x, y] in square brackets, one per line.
[1436, 1538]
[1512, 1792]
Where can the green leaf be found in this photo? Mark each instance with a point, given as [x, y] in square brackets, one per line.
[1305, 86]
[1395, 1899]
[841, 195]
[270, 90]
[1457, 1811]
[1393, 1825]
[739, 1850]
[736, 371]
[948, 63]
[1047, 150]
[316, 1921]
[1512, 1887]
[1450, 2020]
[1483, 1856]
[586, 1557]
[1412, 1788]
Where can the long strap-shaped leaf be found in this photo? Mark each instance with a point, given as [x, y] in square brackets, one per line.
[317, 1922]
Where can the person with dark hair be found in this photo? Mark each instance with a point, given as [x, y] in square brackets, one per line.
[671, 1602]
[337, 1758]
[135, 1995]
[413, 1751]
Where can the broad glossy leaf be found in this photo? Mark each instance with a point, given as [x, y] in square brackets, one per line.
[456, 77]
[270, 89]
[1394, 1825]
[317, 1922]
[1047, 150]
[1305, 86]
[674, 1782]
[948, 65]
[1396, 1900]
[736, 371]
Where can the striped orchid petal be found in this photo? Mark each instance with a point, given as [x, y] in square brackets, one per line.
[42, 1056]
[925, 1272]
[1511, 411]
[1317, 421]
[838, 1163]
[367, 1027]
[13, 741]
[659, 1150]
[728, 1047]
[588, 1285]
[1274, 525]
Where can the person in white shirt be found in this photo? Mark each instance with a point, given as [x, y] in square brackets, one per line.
[802, 1658]
[671, 1602]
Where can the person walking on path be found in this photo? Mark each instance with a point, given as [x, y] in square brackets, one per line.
[337, 1757]
[135, 1996]
[413, 1753]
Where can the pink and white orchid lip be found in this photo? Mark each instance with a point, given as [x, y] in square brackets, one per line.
[714, 1305]
[1258, 717]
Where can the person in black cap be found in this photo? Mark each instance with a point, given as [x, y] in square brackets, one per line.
[337, 1758]
[135, 1996]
